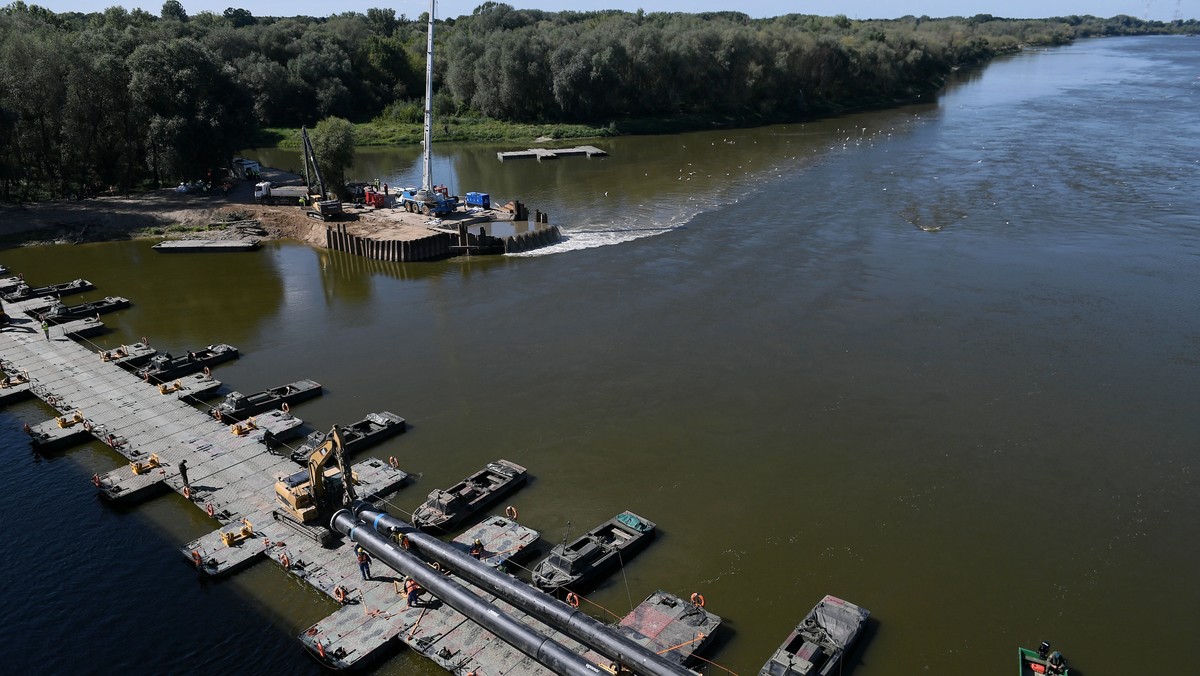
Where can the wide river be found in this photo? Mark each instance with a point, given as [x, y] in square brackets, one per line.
[942, 361]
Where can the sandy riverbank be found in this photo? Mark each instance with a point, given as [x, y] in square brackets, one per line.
[160, 214]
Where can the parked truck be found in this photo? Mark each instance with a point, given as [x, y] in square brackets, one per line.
[265, 193]
[437, 203]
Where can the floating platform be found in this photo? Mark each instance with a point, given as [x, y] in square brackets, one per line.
[14, 384]
[81, 328]
[669, 626]
[375, 612]
[299, 555]
[195, 386]
[51, 436]
[206, 245]
[540, 154]
[503, 540]
[129, 356]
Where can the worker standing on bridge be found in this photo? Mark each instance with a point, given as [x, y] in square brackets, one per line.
[364, 563]
[46, 328]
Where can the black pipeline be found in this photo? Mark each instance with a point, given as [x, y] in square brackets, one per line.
[547, 652]
[571, 621]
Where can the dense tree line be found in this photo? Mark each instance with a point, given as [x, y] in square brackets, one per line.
[120, 99]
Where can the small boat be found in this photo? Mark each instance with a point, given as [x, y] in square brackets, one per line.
[164, 367]
[447, 508]
[55, 308]
[26, 292]
[238, 406]
[367, 432]
[1041, 662]
[575, 565]
[819, 643]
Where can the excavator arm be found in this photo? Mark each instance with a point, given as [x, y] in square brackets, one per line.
[332, 447]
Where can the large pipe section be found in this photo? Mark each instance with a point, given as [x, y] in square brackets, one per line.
[546, 651]
[571, 621]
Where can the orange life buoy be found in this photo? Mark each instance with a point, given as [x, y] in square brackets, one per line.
[321, 649]
[96, 480]
[285, 561]
[511, 512]
[393, 462]
[573, 600]
[207, 371]
[286, 408]
[404, 541]
[187, 492]
[196, 558]
[209, 510]
[697, 599]
[339, 594]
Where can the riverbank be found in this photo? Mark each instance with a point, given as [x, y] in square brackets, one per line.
[160, 214]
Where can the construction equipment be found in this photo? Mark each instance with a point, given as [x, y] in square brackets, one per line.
[373, 198]
[245, 532]
[152, 462]
[434, 202]
[309, 497]
[266, 192]
[324, 208]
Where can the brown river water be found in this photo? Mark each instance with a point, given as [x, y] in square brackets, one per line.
[941, 361]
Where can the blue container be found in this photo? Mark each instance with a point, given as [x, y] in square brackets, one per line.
[479, 199]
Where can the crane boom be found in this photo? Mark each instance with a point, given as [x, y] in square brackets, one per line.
[310, 156]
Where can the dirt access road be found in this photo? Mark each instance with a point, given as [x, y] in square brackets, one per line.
[152, 214]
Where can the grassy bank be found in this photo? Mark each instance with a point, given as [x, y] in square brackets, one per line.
[385, 133]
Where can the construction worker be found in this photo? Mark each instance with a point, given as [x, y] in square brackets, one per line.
[364, 563]
[183, 474]
[476, 549]
[46, 328]
[411, 591]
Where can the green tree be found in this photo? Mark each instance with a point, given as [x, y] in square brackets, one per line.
[173, 9]
[196, 114]
[333, 144]
[238, 17]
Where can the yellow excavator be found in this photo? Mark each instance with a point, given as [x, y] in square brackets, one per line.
[307, 499]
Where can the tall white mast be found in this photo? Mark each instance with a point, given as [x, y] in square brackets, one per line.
[427, 169]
